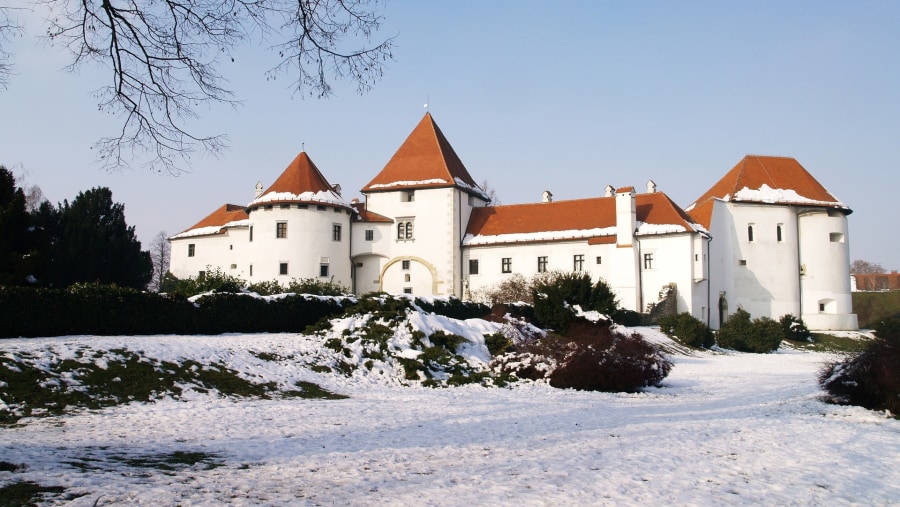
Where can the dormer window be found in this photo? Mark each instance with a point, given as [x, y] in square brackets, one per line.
[409, 196]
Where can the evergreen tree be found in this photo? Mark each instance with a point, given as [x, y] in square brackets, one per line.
[16, 263]
[90, 242]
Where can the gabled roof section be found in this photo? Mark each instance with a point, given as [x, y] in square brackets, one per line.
[228, 215]
[424, 160]
[364, 215]
[769, 180]
[301, 181]
[590, 219]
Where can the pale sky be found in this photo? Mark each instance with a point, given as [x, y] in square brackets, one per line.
[533, 96]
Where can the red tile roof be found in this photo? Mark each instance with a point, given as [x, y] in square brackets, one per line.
[364, 215]
[573, 215]
[753, 173]
[301, 175]
[424, 160]
[223, 215]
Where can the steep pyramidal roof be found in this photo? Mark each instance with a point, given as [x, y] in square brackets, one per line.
[593, 219]
[301, 181]
[424, 160]
[764, 179]
[228, 215]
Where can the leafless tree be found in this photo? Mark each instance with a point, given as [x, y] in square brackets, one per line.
[164, 55]
[490, 192]
[8, 27]
[160, 254]
[861, 267]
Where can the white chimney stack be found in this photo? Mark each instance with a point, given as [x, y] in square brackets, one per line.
[547, 196]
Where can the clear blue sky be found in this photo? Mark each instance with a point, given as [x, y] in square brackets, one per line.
[563, 96]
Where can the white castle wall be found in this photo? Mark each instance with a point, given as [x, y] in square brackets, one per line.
[226, 251]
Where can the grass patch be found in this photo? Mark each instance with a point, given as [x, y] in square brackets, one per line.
[822, 342]
[25, 493]
[170, 462]
[873, 307]
[311, 391]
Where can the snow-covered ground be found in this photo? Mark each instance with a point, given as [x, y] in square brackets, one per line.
[724, 429]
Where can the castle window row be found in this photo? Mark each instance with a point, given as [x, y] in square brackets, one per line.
[319, 207]
[543, 263]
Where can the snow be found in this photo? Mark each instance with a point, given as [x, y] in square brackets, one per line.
[471, 240]
[409, 183]
[323, 196]
[724, 429]
[767, 194]
[212, 229]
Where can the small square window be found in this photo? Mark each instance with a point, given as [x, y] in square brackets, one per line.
[234, 266]
[321, 207]
[283, 268]
[370, 235]
[410, 196]
[742, 262]
[473, 266]
[407, 290]
[405, 264]
[836, 237]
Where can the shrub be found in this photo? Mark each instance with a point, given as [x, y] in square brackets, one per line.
[317, 287]
[266, 288]
[454, 308]
[214, 280]
[762, 335]
[628, 318]
[793, 328]
[596, 359]
[687, 330]
[870, 379]
[556, 293]
[514, 289]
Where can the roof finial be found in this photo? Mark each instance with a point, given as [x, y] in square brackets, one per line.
[302, 146]
[426, 103]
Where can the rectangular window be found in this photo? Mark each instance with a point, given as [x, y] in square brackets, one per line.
[285, 206]
[370, 235]
[578, 263]
[836, 237]
[336, 232]
[251, 233]
[191, 250]
[281, 230]
[405, 230]
[251, 270]
[407, 290]
[303, 206]
[542, 264]
[201, 274]
[234, 266]
[648, 261]
[778, 233]
[599, 260]
[320, 207]
[750, 233]
[410, 196]
[473, 266]
[405, 264]
[323, 270]
[282, 268]
[506, 265]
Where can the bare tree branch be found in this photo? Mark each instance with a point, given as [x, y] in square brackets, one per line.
[8, 27]
[164, 57]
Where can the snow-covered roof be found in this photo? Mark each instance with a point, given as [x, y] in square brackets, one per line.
[301, 181]
[224, 217]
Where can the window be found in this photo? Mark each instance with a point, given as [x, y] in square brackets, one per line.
[407, 277]
[321, 207]
[282, 268]
[742, 262]
[251, 233]
[303, 206]
[370, 235]
[201, 274]
[599, 260]
[410, 196]
[836, 237]
[578, 263]
[336, 232]
[191, 250]
[231, 247]
[750, 233]
[285, 206]
[473, 266]
[542, 264]
[405, 230]
[323, 270]
[778, 233]
[506, 264]
[251, 270]
[405, 264]
[407, 290]
[648, 261]
[281, 230]
[822, 307]
[234, 266]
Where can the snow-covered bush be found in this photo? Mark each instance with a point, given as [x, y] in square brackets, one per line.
[687, 330]
[556, 295]
[794, 328]
[762, 335]
[870, 379]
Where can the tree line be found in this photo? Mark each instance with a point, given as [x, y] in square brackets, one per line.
[86, 240]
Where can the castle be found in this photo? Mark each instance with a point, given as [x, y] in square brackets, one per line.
[767, 237]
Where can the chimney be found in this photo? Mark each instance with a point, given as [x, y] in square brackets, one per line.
[651, 187]
[259, 190]
[547, 196]
[609, 191]
[626, 216]
[337, 188]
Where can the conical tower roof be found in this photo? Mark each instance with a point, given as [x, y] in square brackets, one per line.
[424, 160]
[301, 181]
